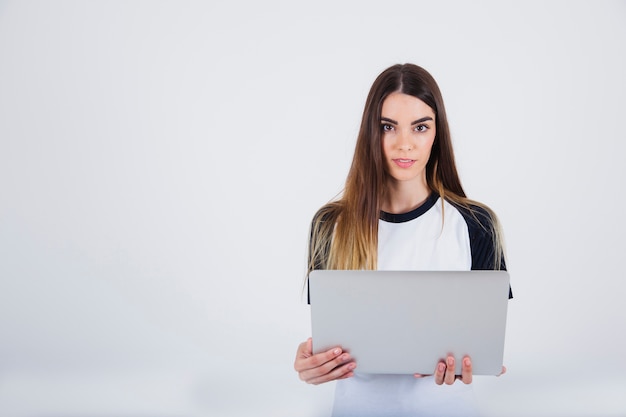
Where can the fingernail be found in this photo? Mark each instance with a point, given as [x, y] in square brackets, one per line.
[467, 362]
[450, 361]
[337, 351]
[442, 367]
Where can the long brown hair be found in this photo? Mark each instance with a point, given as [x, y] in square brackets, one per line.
[344, 233]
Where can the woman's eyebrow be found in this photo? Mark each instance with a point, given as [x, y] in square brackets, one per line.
[423, 119]
[393, 122]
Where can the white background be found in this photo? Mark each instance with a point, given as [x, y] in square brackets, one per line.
[160, 163]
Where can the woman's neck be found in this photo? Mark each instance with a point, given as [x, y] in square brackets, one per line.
[404, 196]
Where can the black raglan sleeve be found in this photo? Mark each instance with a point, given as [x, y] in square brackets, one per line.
[481, 240]
[319, 260]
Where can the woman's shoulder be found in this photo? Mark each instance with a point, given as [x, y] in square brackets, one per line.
[476, 214]
[327, 213]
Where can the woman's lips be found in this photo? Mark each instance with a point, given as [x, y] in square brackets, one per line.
[404, 163]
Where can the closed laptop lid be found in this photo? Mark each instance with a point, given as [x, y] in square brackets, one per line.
[404, 322]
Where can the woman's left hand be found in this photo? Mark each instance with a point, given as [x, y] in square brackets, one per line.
[444, 371]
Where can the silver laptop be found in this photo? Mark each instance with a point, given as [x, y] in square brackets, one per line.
[404, 322]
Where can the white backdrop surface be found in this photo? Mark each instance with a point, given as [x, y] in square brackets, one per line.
[160, 163]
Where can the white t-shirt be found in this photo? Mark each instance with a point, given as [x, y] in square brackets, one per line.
[419, 240]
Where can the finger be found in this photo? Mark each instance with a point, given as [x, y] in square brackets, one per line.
[466, 370]
[450, 375]
[341, 372]
[305, 359]
[305, 349]
[326, 368]
[440, 372]
[503, 371]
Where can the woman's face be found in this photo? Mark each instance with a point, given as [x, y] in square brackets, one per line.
[408, 133]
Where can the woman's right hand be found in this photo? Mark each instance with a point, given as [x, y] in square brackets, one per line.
[322, 367]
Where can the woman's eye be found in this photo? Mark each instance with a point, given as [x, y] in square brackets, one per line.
[387, 127]
[421, 128]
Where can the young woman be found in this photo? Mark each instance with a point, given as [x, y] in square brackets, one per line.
[403, 208]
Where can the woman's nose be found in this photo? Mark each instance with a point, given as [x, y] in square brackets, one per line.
[404, 141]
